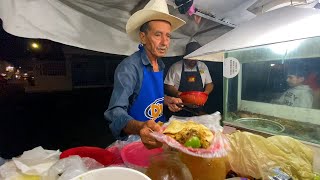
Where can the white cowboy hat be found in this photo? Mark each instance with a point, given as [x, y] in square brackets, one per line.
[154, 10]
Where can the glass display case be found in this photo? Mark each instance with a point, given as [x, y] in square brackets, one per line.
[277, 90]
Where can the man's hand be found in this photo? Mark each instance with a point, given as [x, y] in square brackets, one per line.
[149, 141]
[208, 88]
[172, 102]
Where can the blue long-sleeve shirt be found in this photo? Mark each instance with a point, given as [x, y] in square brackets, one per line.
[127, 84]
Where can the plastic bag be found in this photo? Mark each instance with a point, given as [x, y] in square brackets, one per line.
[117, 156]
[31, 165]
[72, 166]
[219, 144]
[256, 156]
[131, 138]
[9, 171]
[36, 161]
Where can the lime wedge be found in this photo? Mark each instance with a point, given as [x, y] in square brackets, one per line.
[193, 142]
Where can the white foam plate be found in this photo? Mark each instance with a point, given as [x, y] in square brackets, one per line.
[118, 173]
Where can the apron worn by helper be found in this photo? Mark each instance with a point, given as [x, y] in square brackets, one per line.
[149, 103]
[190, 81]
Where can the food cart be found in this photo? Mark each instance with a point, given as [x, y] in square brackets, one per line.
[243, 50]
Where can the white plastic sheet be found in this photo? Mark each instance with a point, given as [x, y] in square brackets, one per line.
[36, 161]
[97, 25]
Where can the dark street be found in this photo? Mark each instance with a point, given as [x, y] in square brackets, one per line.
[59, 120]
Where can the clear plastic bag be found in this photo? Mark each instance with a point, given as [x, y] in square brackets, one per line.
[219, 145]
[117, 147]
[131, 138]
[72, 166]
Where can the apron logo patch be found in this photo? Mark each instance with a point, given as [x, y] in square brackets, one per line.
[191, 78]
[155, 109]
[201, 71]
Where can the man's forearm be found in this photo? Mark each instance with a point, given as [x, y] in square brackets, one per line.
[208, 88]
[133, 127]
[171, 90]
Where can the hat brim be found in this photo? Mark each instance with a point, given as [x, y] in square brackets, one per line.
[140, 17]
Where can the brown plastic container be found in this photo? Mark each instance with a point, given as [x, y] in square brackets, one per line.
[205, 168]
[168, 166]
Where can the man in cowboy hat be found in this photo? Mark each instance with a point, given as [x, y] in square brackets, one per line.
[137, 99]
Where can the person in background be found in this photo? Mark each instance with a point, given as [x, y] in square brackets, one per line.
[188, 75]
[137, 99]
[313, 81]
[299, 94]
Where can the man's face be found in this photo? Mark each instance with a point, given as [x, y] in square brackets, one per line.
[190, 63]
[157, 39]
[294, 80]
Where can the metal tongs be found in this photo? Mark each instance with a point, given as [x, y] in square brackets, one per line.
[189, 107]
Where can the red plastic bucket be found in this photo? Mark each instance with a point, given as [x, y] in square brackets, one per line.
[103, 156]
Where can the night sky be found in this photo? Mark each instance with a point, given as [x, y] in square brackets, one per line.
[15, 49]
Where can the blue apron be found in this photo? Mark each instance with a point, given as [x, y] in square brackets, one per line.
[149, 103]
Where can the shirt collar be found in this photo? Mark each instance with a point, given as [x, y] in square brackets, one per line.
[146, 62]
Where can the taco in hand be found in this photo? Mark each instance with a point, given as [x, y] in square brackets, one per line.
[190, 133]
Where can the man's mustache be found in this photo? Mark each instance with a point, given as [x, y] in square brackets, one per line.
[163, 48]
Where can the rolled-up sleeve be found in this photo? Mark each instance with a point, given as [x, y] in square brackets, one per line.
[125, 81]
[169, 77]
[173, 75]
[206, 74]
